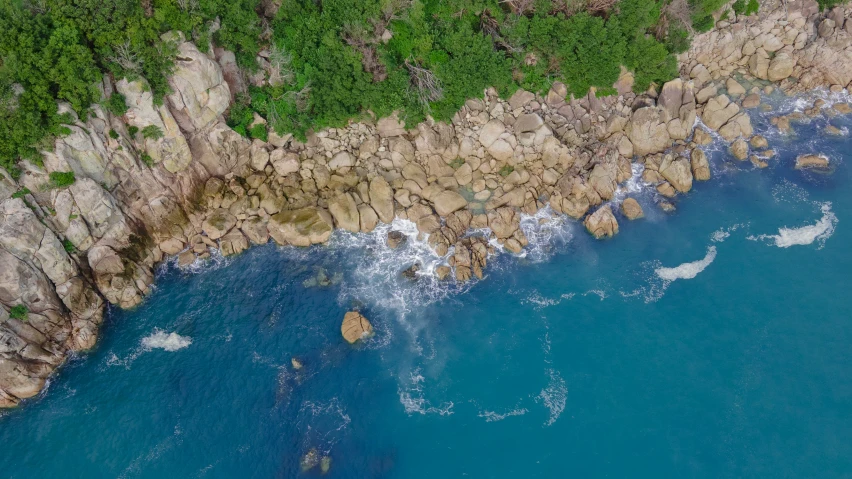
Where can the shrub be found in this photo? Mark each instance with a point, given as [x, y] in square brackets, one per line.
[113, 134]
[506, 170]
[259, 132]
[21, 193]
[132, 130]
[146, 158]
[19, 312]
[69, 247]
[152, 132]
[703, 24]
[61, 179]
[457, 163]
[116, 104]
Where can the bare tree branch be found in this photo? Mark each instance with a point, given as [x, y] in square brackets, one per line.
[424, 84]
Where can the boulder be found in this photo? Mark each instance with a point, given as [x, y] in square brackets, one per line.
[490, 132]
[284, 162]
[345, 212]
[218, 223]
[759, 142]
[811, 161]
[677, 172]
[368, 218]
[780, 67]
[734, 88]
[355, 327]
[381, 199]
[395, 239]
[632, 209]
[739, 149]
[528, 122]
[446, 202]
[302, 227]
[602, 223]
[647, 132]
[390, 126]
[718, 111]
[344, 159]
[700, 165]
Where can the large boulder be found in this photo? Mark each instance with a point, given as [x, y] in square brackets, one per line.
[632, 209]
[355, 327]
[345, 212]
[700, 165]
[302, 227]
[677, 172]
[648, 131]
[218, 223]
[718, 111]
[602, 223]
[447, 202]
[381, 199]
[780, 67]
[811, 161]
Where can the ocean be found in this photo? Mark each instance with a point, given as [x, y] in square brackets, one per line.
[706, 343]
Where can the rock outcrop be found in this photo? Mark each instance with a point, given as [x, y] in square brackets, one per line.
[184, 182]
[355, 327]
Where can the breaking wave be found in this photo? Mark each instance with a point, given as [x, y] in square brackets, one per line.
[805, 235]
[413, 400]
[687, 270]
[159, 339]
[554, 396]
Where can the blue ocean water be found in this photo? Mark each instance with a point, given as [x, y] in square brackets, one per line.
[712, 342]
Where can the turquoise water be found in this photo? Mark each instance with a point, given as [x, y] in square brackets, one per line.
[579, 360]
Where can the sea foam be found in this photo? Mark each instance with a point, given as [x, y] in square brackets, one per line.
[687, 270]
[166, 341]
[805, 235]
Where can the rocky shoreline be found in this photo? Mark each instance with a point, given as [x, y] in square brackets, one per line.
[66, 251]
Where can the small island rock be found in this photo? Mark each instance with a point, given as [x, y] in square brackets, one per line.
[355, 327]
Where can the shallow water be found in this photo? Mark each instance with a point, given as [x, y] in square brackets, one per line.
[713, 342]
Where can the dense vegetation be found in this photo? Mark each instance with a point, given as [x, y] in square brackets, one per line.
[328, 60]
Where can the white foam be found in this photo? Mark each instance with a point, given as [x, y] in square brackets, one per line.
[491, 416]
[805, 235]
[413, 400]
[688, 270]
[554, 396]
[545, 231]
[166, 341]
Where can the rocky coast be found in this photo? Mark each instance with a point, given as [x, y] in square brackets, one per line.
[68, 250]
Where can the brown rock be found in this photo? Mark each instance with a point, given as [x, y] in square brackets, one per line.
[355, 327]
[602, 223]
[811, 161]
[632, 209]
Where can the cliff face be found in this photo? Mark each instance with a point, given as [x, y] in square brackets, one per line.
[202, 185]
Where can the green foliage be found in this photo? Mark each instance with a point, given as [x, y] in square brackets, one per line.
[113, 134]
[116, 104]
[743, 7]
[456, 164]
[146, 158]
[19, 312]
[506, 170]
[132, 130]
[61, 179]
[259, 132]
[330, 60]
[69, 246]
[703, 24]
[21, 193]
[152, 132]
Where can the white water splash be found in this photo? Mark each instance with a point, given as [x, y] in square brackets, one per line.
[545, 231]
[491, 416]
[805, 235]
[166, 341]
[687, 270]
[554, 396]
[413, 401]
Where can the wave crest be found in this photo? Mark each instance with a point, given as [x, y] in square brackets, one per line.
[687, 270]
[159, 339]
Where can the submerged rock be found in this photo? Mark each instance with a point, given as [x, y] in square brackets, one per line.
[395, 239]
[310, 460]
[811, 161]
[411, 271]
[355, 327]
